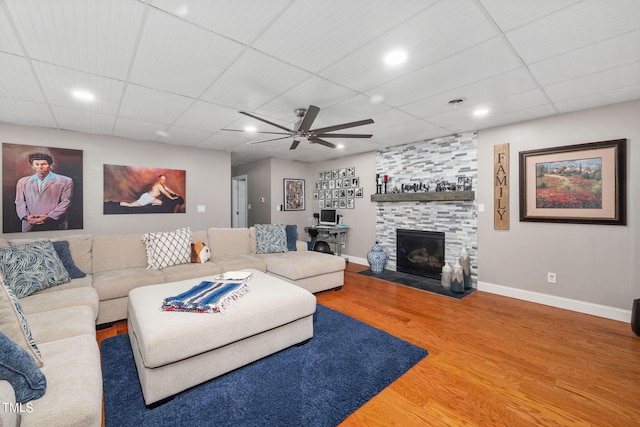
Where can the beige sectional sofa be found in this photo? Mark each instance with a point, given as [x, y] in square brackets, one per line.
[63, 318]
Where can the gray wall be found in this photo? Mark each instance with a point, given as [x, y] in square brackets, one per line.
[258, 185]
[594, 263]
[208, 179]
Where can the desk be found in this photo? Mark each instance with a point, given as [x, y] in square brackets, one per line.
[335, 235]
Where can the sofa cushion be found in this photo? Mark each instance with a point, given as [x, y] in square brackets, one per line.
[190, 271]
[45, 301]
[299, 265]
[117, 283]
[239, 262]
[117, 252]
[14, 324]
[31, 267]
[18, 367]
[229, 241]
[271, 238]
[79, 245]
[292, 237]
[74, 385]
[62, 249]
[62, 323]
[169, 248]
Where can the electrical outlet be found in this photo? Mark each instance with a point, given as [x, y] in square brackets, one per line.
[551, 277]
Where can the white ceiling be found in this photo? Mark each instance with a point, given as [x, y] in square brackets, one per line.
[185, 68]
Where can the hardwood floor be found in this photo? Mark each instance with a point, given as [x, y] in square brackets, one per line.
[493, 361]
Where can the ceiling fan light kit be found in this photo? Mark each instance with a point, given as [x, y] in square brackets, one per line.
[302, 129]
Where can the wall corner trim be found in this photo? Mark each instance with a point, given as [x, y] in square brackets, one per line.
[585, 307]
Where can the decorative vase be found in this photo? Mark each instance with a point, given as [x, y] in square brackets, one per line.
[457, 278]
[465, 262]
[445, 278]
[377, 257]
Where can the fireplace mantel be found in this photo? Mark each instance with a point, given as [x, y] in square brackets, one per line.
[434, 196]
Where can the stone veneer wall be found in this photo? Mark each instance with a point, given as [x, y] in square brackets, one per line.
[442, 158]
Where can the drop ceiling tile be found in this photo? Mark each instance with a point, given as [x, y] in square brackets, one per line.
[405, 133]
[8, 40]
[179, 57]
[313, 34]
[26, 113]
[358, 107]
[592, 84]
[426, 37]
[137, 129]
[58, 83]
[83, 121]
[575, 27]
[89, 35]
[487, 59]
[509, 83]
[512, 14]
[225, 17]
[18, 80]
[470, 124]
[182, 136]
[221, 142]
[627, 93]
[252, 81]
[313, 91]
[151, 105]
[608, 54]
[207, 117]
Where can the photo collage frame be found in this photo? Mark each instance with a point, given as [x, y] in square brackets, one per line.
[338, 189]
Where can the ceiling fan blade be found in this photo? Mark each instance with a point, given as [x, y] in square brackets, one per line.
[270, 133]
[266, 121]
[342, 126]
[266, 140]
[309, 118]
[344, 135]
[294, 145]
[321, 142]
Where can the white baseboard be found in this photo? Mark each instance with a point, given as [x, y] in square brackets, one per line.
[357, 260]
[559, 302]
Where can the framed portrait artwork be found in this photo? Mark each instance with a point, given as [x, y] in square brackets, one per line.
[293, 194]
[42, 188]
[584, 183]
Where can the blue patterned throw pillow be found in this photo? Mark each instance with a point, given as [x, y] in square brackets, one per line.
[17, 367]
[271, 238]
[14, 324]
[32, 267]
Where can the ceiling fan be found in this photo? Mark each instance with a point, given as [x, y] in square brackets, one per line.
[302, 129]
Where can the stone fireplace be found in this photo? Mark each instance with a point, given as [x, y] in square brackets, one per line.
[441, 158]
[420, 252]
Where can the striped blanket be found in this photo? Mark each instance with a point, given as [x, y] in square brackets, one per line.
[207, 297]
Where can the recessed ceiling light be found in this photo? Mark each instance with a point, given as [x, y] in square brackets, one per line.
[480, 112]
[376, 99]
[250, 129]
[340, 146]
[162, 134]
[83, 95]
[395, 58]
[182, 10]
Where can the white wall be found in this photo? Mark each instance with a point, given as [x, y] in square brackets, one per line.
[596, 265]
[208, 175]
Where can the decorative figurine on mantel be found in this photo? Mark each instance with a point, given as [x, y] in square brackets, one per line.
[378, 184]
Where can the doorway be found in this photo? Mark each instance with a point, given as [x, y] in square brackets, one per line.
[239, 201]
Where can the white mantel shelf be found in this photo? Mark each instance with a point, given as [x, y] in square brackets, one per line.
[434, 196]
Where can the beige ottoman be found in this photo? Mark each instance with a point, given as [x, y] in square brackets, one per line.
[174, 351]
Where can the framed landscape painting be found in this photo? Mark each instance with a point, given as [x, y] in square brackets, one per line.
[584, 183]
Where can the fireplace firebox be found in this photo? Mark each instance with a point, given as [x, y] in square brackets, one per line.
[420, 252]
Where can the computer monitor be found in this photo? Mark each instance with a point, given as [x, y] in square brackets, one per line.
[328, 217]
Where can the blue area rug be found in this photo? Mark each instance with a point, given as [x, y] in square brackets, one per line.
[319, 383]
